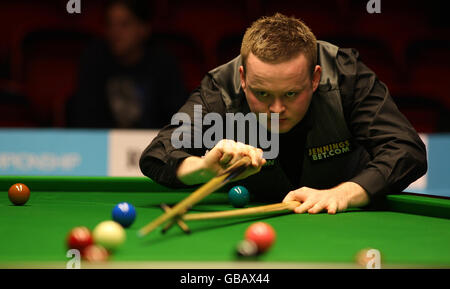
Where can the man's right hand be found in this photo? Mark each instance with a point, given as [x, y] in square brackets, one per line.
[194, 170]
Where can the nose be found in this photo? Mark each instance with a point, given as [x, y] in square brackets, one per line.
[277, 106]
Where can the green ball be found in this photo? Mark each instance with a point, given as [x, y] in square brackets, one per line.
[238, 196]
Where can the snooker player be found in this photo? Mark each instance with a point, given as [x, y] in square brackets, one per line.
[342, 141]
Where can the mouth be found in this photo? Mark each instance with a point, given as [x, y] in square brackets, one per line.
[280, 119]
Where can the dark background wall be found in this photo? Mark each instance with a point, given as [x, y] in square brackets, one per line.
[407, 45]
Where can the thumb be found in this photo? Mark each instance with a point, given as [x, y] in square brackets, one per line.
[290, 197]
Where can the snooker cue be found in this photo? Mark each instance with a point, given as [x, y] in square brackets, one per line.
[290, 206]
[212, 185]
[177, 220]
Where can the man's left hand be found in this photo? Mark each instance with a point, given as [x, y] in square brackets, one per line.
[333, 200]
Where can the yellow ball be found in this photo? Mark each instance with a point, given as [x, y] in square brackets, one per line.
[109, 234]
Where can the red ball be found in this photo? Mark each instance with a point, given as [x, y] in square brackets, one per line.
[19, 194]
[262, 234]
[79, 238]
[95, 253]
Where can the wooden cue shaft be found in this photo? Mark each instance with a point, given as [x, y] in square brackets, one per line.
[170, 225]
[291, 205]
[177, 220]
[211, 186]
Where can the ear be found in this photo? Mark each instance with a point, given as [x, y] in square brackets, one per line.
[242, 75]
[316, 77]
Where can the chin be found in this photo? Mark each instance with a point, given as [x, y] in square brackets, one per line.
[282, 128]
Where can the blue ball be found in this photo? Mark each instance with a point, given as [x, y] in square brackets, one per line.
[124, 214]
[238, 196]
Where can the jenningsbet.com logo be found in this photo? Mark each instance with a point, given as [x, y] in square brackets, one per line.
[251, 129]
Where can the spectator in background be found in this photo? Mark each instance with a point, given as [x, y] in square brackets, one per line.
[126, 81]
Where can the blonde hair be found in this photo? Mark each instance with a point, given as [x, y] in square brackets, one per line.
[279, 38]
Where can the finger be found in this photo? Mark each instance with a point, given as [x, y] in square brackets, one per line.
[258, 156]
[236, 156]
[261, 159]
[254, 154]
[218, 149]
[317, 208]
[263, 162]
[332, 208]
[304, 207]
[232, 148]
[226, 158]
[341, 207]
[289, 197]
[300, 195]
[254, 158]
[241, 150]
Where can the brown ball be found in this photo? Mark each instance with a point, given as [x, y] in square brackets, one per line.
[18, 194]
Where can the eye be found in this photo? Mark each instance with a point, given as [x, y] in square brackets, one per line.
[261, 94]
[291, 94]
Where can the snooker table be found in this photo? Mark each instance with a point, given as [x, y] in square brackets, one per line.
[413, 233]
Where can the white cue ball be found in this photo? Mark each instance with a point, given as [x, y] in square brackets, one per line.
[109, 234]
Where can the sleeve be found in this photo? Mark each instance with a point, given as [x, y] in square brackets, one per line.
[160, 159]
[397, 154]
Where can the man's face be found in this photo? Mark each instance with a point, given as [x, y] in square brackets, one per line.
[124, 31]
[285, 88]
